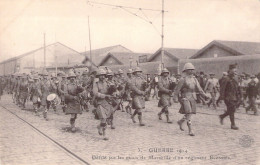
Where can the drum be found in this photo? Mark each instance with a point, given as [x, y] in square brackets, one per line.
[54, 99]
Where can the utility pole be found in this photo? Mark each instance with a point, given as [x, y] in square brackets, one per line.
[162, 48]
[89, 45]
[44, 51]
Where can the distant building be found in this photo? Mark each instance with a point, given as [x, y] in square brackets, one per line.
[172, 56]
[218, 48]
[99, 54]
[124, 58]
[56, 54]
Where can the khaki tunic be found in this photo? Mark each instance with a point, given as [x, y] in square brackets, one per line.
[187, 87]
[104, 107]
[72, 99]
[164, 85]
[137, 86]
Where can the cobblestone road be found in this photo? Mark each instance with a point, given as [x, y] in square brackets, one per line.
[131, 144]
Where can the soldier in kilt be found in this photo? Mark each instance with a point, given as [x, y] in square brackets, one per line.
[72, 99]
[138, 90]
[62, 90]
[35, 94]
[105, 109]
[23, 91]
[45, 88]
[127, 95]
[187, 87]
[165, 91]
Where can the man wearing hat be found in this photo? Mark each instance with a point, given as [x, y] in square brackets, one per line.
[104, 105]
[62, 90]
[230, 93]
[165, 86]
[54, 88]
[187, 87]
[73, 99]
[252, 93]
[212, 87]
[45, 90]
[23, 91]
[220, 81]
[35, 94]
[120, 83]
[128, 97]
[155, 86]
[138, 88]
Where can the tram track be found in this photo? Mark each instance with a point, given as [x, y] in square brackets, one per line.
[71, 153]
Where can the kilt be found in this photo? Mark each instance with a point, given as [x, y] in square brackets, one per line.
[188, 106]
[138, 102]
[104, 111]
[73, 107]
[23, 95]
[165, 100]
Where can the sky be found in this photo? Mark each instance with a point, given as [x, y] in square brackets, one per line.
[188, 24]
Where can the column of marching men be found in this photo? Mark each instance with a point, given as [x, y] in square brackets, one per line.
[106, 91]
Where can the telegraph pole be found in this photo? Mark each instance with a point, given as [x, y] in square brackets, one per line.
[44, 51]
[162, 48]
[89, 45]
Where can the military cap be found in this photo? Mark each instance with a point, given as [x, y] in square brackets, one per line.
[137, 69]
[120, 71]
[165, 70]
[130, 71]
[71, 74]
[232, 66]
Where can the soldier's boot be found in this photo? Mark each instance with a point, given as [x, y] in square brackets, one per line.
[45, 115]
[168, 119]
[209, 103]
[190, 129]
[232, 119]
[99, 127]
[112, 125]
[104, 134]
[133, 116]
[180, 123]
[122, 108]
[140, 118]
[221, 118]
[160, 115]
[72, 123]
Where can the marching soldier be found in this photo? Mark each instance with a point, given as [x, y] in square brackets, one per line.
[220, 81]
[35, 94]
[23, 91]
[138, 88]
[62, 90]
[72, 99]
[45, 88]
[54, 88]
[128, 97]
[212, 86]
[120, 81]
[105, 108]
[155, 86]
[86, 93]
[187, 87]
[252, 93]
[166, 87]
[230, 93]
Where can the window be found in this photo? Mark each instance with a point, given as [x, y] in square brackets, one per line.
[215, 55]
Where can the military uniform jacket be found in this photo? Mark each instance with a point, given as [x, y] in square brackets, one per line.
[34, 91]
[230, 90]
[212, 85]
[138, 87]
[187, 88]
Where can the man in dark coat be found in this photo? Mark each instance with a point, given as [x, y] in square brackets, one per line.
[231, 95]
